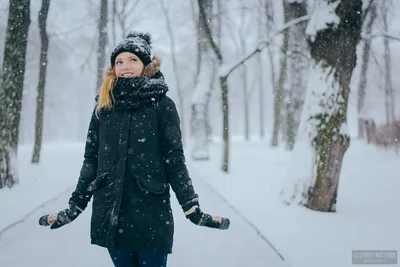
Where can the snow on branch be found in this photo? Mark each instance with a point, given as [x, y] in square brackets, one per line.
[225, 70]
[381, 34]
[323, 15]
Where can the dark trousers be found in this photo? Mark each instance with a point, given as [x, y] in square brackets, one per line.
[138, 258]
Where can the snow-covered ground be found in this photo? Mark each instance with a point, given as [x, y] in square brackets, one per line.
[28, 244]
[367, 217]
[59, 169]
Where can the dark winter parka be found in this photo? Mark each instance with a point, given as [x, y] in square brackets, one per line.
[133, 155]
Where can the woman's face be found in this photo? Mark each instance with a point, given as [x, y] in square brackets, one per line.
[128, 65]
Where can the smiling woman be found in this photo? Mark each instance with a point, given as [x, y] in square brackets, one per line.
[133, 157]
[128, 65]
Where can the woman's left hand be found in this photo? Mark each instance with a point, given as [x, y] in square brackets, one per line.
[56, 220]
[196, 216]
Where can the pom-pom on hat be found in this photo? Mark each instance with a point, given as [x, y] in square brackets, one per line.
[137, 43]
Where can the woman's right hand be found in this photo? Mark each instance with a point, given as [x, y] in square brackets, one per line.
[196, 216]
[56, 220]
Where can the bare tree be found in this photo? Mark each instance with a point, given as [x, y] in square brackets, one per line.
[261, 72]
[124, 15]
[203, 86]
[317, 158]
[298, 63]
[223, 84]
[245, 88]
[113, 20]
[175, 67]
[239, 40]
[42, 18]
[102, 41]
[389, 94]
[364, 71]
[270, 25]
[11, 88]
[279, 93]
[225, 71]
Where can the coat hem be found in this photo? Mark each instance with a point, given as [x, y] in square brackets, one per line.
[101, 244]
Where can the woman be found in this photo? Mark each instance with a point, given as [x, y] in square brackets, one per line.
[133, 155]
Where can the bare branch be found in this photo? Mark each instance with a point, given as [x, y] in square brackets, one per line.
[252, 88]
[292, 52]
[366, 11]
[382, 34]
[226, 71]
[132, 8]
[221, 12]
[376, 61]
[86, 63]
[58, 34]
[139, 17]
[209, 33]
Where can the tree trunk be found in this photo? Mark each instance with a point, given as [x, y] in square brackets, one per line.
[246, 110]
[214, 81]
[202, 91]
[298, 71]
[113, 24]
[269, 12]
[364, 71]
[245, 89]
[279, 94]
[102, 42]
[389, 95]
[324, 138]
[261, 96]
[11, 88]
[260, 79]
[223, 85]
[214, 72]
[225, 124]
[42, 18]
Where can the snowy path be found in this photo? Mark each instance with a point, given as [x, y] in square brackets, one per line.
[28, 244]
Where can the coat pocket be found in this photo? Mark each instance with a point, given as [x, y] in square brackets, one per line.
[151, 186]
[98, 182]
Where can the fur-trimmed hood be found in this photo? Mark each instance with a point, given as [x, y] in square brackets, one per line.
[152, 68]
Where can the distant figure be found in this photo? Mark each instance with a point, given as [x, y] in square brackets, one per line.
[133, 155]
[369, 127]
[385, 135]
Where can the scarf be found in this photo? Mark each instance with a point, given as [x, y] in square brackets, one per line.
[136, 92]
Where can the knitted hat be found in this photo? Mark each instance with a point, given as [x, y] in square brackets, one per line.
[137, 43]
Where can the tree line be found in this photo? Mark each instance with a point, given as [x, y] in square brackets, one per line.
[310, 85]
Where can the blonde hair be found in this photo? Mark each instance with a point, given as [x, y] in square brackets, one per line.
[105, 94]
